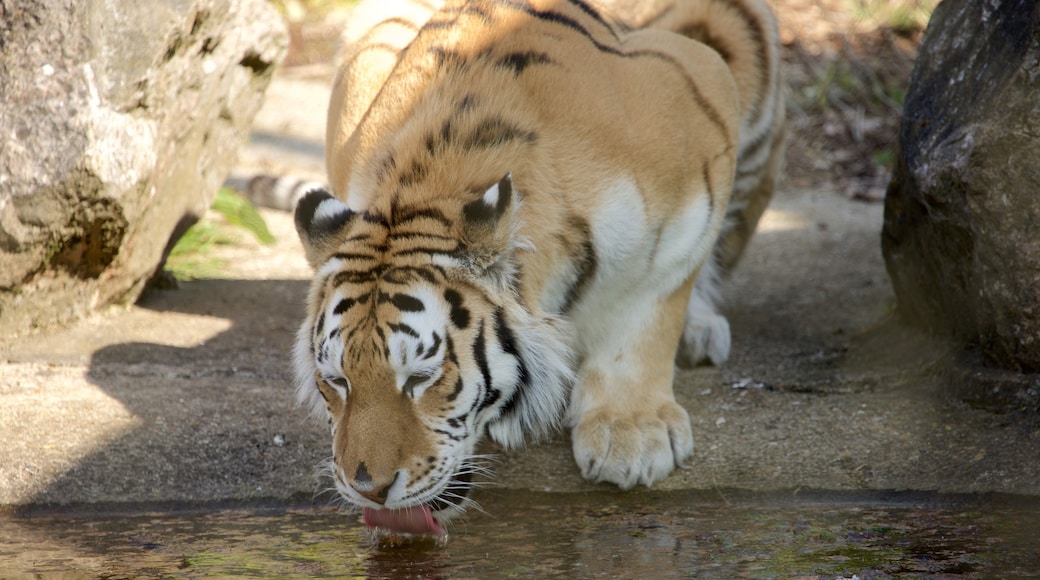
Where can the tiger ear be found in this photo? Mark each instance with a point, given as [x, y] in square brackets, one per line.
[320, 219]
[488, 221]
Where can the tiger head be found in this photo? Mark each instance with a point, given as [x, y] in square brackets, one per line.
[416, 344]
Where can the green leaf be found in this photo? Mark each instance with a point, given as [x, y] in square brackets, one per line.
[238, 211]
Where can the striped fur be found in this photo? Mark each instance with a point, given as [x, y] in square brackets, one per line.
[523, 194]
[279, 192]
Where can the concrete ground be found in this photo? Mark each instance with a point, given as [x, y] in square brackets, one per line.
[186, 395]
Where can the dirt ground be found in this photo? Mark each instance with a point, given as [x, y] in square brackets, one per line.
[185, 396]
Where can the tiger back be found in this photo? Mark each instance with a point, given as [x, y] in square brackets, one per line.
[523, 195]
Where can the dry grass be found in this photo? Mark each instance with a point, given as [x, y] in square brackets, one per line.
[847, 65]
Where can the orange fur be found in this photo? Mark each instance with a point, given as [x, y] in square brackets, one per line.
[564, 170]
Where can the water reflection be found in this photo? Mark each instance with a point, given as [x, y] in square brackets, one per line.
[548, 535]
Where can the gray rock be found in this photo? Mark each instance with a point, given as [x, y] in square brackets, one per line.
[961, 236]
[119, 119]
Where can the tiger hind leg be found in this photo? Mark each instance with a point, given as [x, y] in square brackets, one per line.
[706, 332]
[705, 336]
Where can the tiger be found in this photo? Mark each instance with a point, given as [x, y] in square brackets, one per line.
[530, 205]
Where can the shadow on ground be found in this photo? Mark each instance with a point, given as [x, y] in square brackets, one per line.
[215, 416]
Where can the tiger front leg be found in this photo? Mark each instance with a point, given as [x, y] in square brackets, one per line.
[626, 427]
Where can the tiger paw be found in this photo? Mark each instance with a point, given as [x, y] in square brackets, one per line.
[641, 445]
[705, 336]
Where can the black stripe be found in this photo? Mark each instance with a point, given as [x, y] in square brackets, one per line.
[518, 61]
[439, 24]
[467, 103]
[594, 14]
[426, 250]
[343, 305]
[563, 20]
[557, 18]
[584, 265]
[406, 303]
[483, 14]
[459, 313]
[386, 168]
[405, 236]
[359, 277]
[450, 351]
[404, 328]
[414, 213]
[712, 114]
[490, 398]
[497, 131]
[361, 237]
[349, 336]
[447, 57]
[707, 184]
[408, 274]
[446, 130]
[763, 140]
[435, 348]
[319, 326]
[507, 340]
[701, 32]
[455, 393]
[449, 435]
[480, 357]
[450, 356]
[416, 172]
[469, 8]
[763, 55]
[320, 322]
[392, 20]
[352, 256]
[374, 218]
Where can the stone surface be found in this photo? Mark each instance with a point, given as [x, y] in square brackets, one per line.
[119, 119]
[961, 234]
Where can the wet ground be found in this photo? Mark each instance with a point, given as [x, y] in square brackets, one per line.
[718, 534]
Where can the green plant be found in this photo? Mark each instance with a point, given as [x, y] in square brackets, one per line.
[191, 257]
[238, 211]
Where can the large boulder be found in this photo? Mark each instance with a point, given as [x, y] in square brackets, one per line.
[119, 119]
[961, 234]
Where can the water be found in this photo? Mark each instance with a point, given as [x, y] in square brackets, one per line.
[538, 535]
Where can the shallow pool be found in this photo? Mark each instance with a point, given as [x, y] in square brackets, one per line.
[645, 534]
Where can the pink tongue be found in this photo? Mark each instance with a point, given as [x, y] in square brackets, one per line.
[413, 520]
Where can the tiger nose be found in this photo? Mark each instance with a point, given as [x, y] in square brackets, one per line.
[368, 488]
